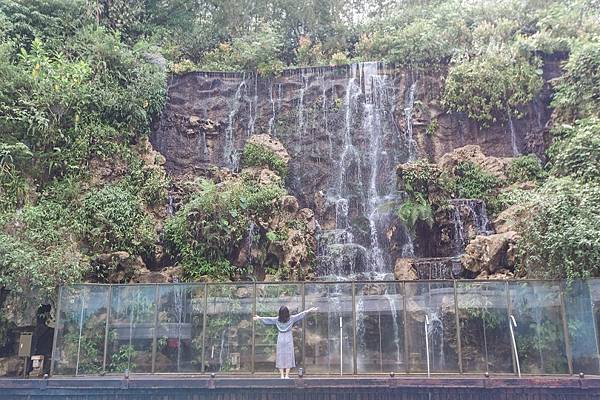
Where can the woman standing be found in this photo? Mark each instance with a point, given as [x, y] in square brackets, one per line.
[285, 359]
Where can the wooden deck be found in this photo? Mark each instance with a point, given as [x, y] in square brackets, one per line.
[165, 387]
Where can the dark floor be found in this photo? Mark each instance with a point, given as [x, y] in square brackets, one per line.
[178, 387]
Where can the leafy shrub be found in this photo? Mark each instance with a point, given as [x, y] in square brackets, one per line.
[256, 155]
[257, 51]
[576, 151]
[114, 220]
[578, 91]
[492, 86]
[473, 182]
[561, 239]
[207, 229]
[526, 168]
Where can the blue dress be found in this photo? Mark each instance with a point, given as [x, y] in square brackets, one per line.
[285, 340]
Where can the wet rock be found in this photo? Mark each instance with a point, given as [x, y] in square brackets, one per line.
[404, 270]
[496, 166]
[509, 219]
[490, 253]
[11, 366]
[119, 267]
[270, 143]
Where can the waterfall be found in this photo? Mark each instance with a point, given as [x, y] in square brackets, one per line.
[396, 330]
[513, 137]
[230, 157]
[408, 113]
[468, 211]
[253, 106]
[436, 338]
[170, 206]
[272, 119]
[363, 190]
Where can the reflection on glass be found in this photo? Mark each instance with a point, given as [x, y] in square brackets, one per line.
[269, 297]
[80, 336]
[228, 342]
[379, 327]
[484, 331]
[179, 330]
[131, 328]
[324, 346]
[432, 301]
[536, 307]
[594, 293]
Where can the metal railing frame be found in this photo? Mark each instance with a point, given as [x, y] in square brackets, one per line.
[352, 285]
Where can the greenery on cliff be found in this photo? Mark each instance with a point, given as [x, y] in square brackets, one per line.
[81, 81]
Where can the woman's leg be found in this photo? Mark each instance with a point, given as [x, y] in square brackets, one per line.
[287, 372]
[282, 372]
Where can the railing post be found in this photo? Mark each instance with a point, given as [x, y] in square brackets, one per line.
[508, 317]
[596, 339]
[82, 300]
[204, 311]
[303, 294]
[405, 327]
[253, 328]
[458, 339]
[56, 327]
[154, 341]
[108, 310]
[568, 349]
[354, 346]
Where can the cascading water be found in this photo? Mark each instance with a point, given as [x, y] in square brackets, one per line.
[231, 159]
[472, 211]
[363, 191]
[513, 137]
[408, 113]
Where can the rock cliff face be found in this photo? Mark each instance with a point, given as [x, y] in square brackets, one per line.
[345, 129]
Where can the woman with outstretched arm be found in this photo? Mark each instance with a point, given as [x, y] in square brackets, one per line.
[284, 323]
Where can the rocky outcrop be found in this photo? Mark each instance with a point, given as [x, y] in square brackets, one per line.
[404, 270]
[496, 166]
[490, 254]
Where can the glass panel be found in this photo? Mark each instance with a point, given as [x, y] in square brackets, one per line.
[322, 335]
[81, 330]
[379, 327]
[269, 298]
[539, 333]
[581, 327]
[179, 334]
[594, 287]
[484, 330]
[228, 345]
[432, 301]
[131, 328]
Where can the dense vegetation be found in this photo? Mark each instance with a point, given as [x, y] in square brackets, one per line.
[81, 80]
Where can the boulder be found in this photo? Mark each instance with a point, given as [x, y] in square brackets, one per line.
[120, 267]
[496, 166]
[488, 254]
[404, 269]
[509, 219]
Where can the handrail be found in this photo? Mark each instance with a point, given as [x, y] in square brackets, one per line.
[427, 344]
[512, 322]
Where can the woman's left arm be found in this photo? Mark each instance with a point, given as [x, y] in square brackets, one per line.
[300, 316]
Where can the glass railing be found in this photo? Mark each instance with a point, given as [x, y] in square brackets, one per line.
[416, 327]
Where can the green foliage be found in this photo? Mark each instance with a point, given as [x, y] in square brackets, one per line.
[207, 229]
[526, 168]
[256, 155]
[415, 209]
[561, 238]
[576, 151]
[433, 127]
[257, 51]
[114, 220]
[492, 86]
[121, 359]
[474, 183]
[578, 90]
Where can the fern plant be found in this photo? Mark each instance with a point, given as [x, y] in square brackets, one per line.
[415, 209]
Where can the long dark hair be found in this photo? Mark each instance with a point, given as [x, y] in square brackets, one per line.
[284, 314]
